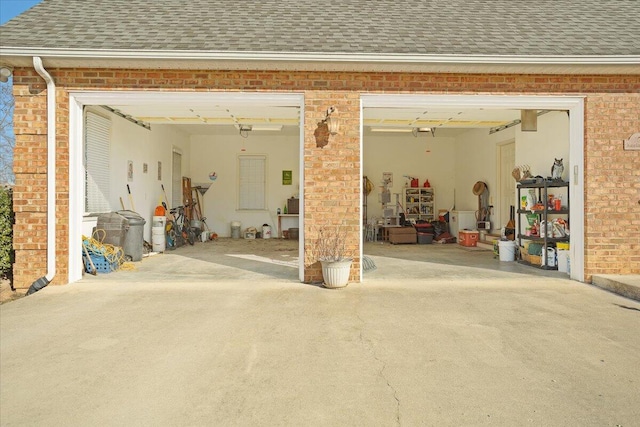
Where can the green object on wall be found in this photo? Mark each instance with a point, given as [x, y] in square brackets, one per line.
[287, 177]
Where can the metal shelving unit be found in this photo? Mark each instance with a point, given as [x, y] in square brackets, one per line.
[542, 192]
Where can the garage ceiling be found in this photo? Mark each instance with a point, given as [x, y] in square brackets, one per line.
[208, 119]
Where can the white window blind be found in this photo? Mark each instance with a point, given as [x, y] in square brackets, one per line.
[96, 162]
[252, 182]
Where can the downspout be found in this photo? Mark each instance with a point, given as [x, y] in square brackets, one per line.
[51, 178]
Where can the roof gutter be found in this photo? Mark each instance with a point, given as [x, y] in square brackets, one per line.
[51, 178]
[322, 56]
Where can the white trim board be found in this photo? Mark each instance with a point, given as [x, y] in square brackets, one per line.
[573, 104]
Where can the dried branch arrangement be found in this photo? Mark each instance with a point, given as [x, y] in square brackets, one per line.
[331, 244]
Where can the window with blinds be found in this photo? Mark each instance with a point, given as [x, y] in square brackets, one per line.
[252, 183]
[97, 134]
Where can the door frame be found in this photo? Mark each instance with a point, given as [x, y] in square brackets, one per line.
[79, 99]
[500, 172]
[573, 104]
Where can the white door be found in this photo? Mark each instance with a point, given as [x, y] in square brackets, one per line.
[507, 184]
[176, 179]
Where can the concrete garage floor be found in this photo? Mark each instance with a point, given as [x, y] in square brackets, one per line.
[277, 259]
[190, 339]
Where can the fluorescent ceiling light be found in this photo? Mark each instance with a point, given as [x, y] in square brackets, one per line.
[267, 127]
[390, 129]
[400, 130]
[248, 128]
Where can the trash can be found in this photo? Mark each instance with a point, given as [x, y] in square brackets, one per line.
[112, 228]
[294, 233]
[235, 229]
[134, 240]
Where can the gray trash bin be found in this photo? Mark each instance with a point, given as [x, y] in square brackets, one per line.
[112, 228]
[134, 240]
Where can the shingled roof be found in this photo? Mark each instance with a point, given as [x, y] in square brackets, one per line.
[409, 27]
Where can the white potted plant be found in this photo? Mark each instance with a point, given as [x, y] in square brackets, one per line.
[330, 249]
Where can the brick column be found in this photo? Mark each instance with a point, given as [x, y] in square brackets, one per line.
[332, 177]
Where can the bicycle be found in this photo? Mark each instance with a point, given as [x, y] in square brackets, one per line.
[178, 230]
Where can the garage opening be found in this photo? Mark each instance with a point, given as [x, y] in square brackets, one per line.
[232, 160]
[446, 167]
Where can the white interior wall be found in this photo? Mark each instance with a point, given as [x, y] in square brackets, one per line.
[477, 151]
[219, 153]
[454, 165]
[130, 142]
[536, 149]
[551, 140]
[403, 154]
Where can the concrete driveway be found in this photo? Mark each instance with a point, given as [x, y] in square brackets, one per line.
[252, 346]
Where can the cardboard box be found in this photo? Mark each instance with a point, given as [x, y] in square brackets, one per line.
[468, 238]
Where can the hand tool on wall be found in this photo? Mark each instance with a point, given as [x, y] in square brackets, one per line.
[131, 198]
[122, 203]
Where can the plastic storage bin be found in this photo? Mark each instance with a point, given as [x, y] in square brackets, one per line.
[425, 238]
[100, 263]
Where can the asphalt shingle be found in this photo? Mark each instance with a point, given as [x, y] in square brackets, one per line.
[431, 27]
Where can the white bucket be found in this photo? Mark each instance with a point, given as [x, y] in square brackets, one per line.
[507, 250]
[563, 260]
[158, 240]
[235, 229]
[158, 221]
[266, 232]
[204, 236]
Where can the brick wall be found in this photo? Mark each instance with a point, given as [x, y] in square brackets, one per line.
[612, 185]
[332, 178]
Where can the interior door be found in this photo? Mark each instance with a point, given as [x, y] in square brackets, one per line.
[507, 163]
[176, 179]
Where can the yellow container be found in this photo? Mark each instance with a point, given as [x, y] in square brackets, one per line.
[562, 246]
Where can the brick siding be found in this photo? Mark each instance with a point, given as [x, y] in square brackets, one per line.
[332, 177]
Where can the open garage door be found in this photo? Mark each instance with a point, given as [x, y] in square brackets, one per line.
[213, 136]
[455, 142]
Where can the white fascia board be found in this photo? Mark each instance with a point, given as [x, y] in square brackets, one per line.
[322, 57]
[518, 102]
[271, 99]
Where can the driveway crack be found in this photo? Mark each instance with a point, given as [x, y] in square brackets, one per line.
[371, 350]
